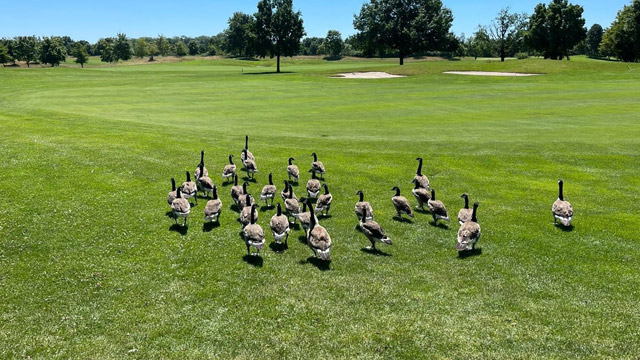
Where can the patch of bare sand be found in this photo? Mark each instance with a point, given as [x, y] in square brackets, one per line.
[367, 75]
[489, 73]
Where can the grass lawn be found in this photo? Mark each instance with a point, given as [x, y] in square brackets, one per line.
[90, 266]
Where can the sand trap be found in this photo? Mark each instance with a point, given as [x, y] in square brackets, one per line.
[367, 75]
[488, 73]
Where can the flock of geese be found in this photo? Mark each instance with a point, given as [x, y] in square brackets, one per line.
[302, 209]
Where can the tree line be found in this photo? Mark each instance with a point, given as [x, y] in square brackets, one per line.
[385, 28]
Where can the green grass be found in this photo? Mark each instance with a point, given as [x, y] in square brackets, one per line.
[89, 267]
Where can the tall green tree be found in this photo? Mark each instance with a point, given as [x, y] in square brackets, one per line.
[623, 36]
[4, 54]
[122, 48]
[141, 48]
[555, 29]
[194, 48]
[480, 44]
[507, 31]
[152, 50]
[278, 29]
[181, 49]
[163, 45]
[594, 38]
[403, 26]
[52, 51]
[106, 47]
[333, 43]
[81, 55]
[26, 49]
[240, 35]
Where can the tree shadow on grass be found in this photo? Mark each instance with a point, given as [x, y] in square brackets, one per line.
[182, 230]
[268, 73]
[253, 260]
[469, 253]
[376, 252]
[209, 226]
[320, 264]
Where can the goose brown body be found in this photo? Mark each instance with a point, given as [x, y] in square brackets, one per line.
[465, 213]
[469, 232]
[401, 204]
[437, 208]
[362, 207]
[318, 239]
[279, 225]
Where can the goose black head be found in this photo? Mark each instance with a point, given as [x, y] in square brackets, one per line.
[560, 193]
[361, 194]
[279, 213]
[270, 179]
[397, 190]
[215, 192]
[188, 177]
[326, 189]
[433, 194]
[244, 187]
[202, 157]
[315, 157]
[466, 200]
[231, 159]
[475, 210]
[290, 160]
[173, 184]
[246, 142]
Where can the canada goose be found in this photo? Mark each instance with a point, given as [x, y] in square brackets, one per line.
[469, 232]
[421, 194]
[285, 192]
[245, 199]
[197, 173]
[246, 154]
[465, 213]
[229, 170]
[253, 233]
[249, 166]
[172, 193]
[292, 170]
[245, 214]
[180, 207]
[401, 203]
[280, 226]
[324, 201]
[362, 205]
[313, 186]
[305, 216]
[291, 205]
[189, 189]
[205, 183]
[236, 190]
[317, 166]
[373, 231]
[437, 209]
[422, 180]
[318, 239]
[561, 209]
[268, 191]
[214, 207]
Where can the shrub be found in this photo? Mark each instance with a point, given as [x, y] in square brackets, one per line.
[522, 56]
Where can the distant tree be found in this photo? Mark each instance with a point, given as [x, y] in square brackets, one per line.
[81, 55]
[507, 30]
[623, 36]
[52, 51]
[240, 35]
[152, 50]
[194, 48]
[106, 47]
[141, 48]
[403, 26]
[555, 29]
[163, 45]
[26, 49]
[594, 38]
[4, 54]
[122, 48]
[333, 43]
[309, 45]
[68, 44]
[181, 49]
[480, 44]
[607, 46]
[278, 29]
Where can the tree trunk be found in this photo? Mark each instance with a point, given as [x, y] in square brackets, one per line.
[81, 65]
[401, 60]
[502, 57]
[278, 63]
[27, 64]
[52, 65]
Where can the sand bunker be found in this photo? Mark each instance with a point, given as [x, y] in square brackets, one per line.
[488, 73]
[367, 75]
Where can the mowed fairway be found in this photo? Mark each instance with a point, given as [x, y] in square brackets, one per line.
[90, 266]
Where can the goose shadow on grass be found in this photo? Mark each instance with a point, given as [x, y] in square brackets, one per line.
[320, 264]
[278, 247]
[469, 253]
[440, 225]
[209, 226]
[421, 211]
[302, 239]
[169, 214]
[402, 219]
[249, 180]
[182, 230]
[358, 228]
[376, 252]
[253, 260]
[265, 208]
[227, 183]
[564, 228]
[235, 207]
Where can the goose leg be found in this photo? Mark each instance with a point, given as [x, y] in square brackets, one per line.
[248, 249]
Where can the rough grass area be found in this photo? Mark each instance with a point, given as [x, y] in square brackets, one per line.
[91, 266]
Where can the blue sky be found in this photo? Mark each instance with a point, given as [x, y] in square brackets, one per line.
[91, 20]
